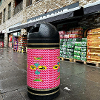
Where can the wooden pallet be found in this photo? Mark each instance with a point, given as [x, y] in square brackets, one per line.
[61, 58]
[80, 61]
[97, 64]
[68, 59]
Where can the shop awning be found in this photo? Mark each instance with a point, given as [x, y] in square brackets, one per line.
[64, 14]
[92, 8]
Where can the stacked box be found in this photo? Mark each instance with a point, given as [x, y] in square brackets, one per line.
[67, 41]
[64, 48]
[93, 45]
[80, 50]
[70, 48]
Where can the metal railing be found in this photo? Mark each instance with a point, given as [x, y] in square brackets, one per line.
[18, 8]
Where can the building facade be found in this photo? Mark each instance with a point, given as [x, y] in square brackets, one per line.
[16, 12]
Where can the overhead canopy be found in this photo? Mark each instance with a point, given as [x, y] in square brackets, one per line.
[92, 8]
[64, 14]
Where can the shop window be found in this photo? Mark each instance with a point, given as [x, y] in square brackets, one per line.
[28, 2]
[0, 17]
[18, 6]
[0, 2]
[9, 10]
[4, 14]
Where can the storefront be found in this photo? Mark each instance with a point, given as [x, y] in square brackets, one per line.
[74, 24]
[13, 37]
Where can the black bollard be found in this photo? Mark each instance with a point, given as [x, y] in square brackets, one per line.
[43, 62]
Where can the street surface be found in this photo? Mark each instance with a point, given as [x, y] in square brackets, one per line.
[78, 81]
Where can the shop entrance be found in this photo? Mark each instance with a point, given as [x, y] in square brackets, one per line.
[1, 40]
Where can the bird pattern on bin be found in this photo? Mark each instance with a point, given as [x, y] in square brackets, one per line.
[43, 69]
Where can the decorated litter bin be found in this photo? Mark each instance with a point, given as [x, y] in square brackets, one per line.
[43, 62]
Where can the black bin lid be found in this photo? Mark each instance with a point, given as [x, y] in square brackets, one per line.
[43, 35]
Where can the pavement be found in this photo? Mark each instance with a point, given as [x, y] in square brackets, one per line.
[78, 81]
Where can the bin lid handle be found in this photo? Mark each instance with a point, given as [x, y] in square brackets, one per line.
[34, 28]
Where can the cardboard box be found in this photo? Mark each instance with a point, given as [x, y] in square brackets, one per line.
[75, 36]
[79, 28]
[93, 57]
[94, 44]
[66, 36]
[69, 32]
[61, 36]
[97, 36]
[62, 32]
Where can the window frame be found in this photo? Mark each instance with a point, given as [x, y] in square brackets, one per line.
[1, 18]
[4, 15]
[9, 10]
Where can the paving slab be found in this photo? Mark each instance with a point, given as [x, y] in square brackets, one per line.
[12, 84]
[14, 95]
[12, 73]
[82, 80]
[1, 97]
